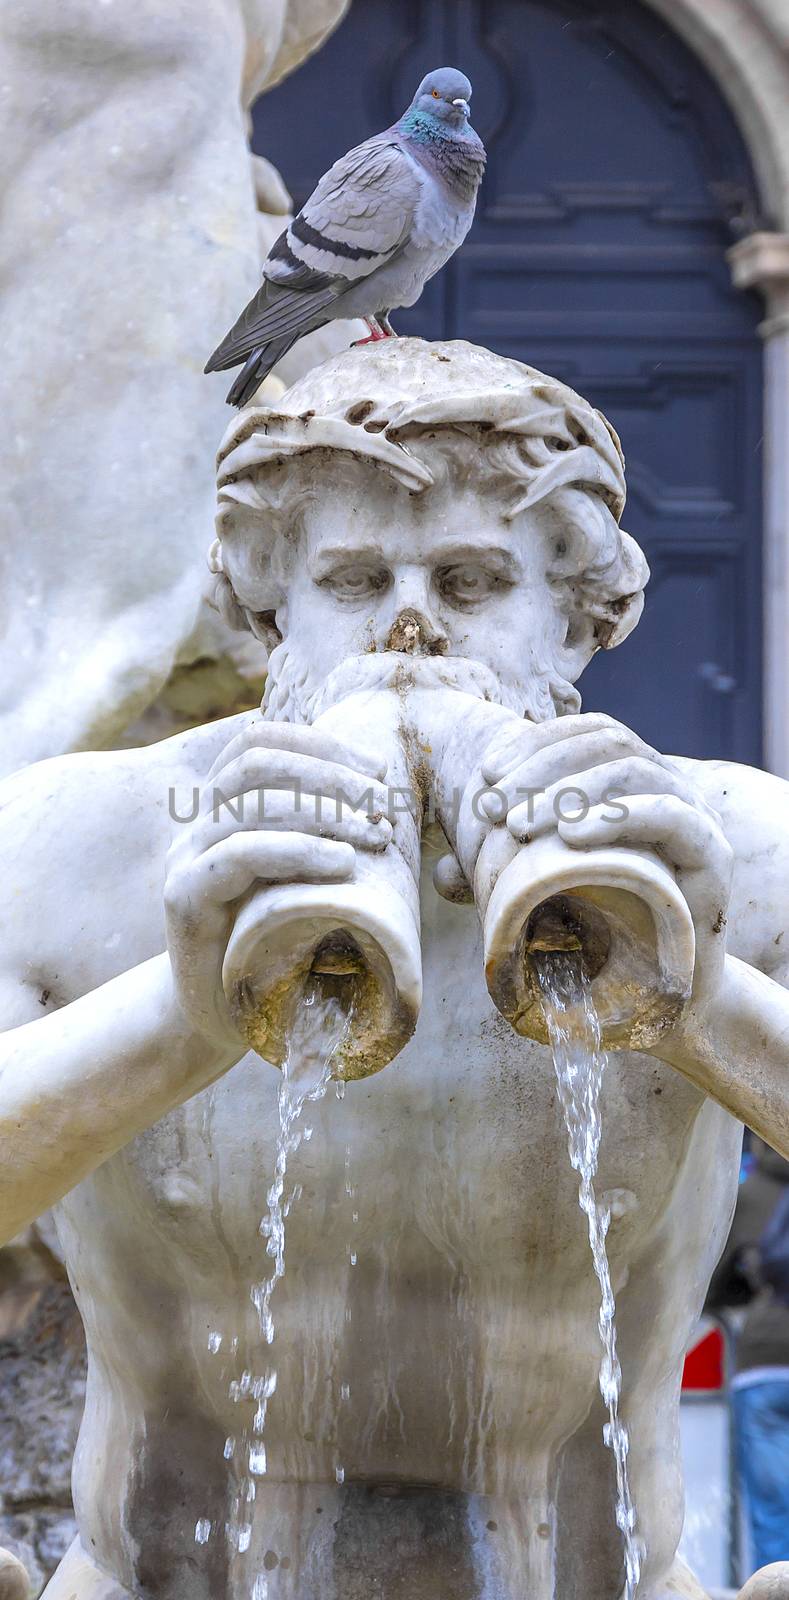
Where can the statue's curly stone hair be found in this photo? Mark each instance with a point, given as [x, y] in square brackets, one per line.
[413, 409]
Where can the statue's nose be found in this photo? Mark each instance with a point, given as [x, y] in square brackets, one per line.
[414, 634]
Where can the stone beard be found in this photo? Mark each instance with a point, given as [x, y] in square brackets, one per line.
[295, 693]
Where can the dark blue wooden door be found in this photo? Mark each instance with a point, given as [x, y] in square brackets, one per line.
[616, 180]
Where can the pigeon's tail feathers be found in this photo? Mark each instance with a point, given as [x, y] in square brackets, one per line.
[273, 314]
[256, 369]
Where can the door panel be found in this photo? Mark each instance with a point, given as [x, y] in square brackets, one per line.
[616, 181]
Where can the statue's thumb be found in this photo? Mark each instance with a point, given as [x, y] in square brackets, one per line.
[450, 881]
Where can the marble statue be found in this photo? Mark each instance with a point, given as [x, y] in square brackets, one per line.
[129, 236]
[427, 539]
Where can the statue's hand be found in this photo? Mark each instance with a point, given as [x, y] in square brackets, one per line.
[597, 784]
[269, 813]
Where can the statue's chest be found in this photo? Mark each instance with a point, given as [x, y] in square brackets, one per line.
[457, 1148]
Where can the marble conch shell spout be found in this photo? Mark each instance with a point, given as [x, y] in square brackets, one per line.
[621, 909]
[360, 940]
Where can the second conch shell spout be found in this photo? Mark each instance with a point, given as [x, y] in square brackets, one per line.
[621, 909]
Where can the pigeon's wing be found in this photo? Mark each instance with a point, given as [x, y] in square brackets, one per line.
[356, 220]
[275, 313]
[359, 216]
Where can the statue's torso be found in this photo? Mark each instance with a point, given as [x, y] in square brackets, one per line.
[436, 1327]
[452, 1291]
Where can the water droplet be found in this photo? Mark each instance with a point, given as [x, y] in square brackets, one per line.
[214, 1342]
[244, 1537]
[339, 1088]
[257, 1459]
[339, 1473]
[202, 1531]
[260, 1588]
[345, 1391]
[230, 1445]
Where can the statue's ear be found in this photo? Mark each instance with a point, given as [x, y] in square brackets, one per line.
[262, 624]
[617, 617]
[221, 595]
[601, 573]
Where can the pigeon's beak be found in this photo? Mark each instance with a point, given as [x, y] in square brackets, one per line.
[464, 106]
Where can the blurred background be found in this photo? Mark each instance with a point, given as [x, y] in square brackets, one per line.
[632, 238]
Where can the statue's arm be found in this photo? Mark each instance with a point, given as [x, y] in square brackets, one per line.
[736, 1048]
[78, 1083]
[722, 829]
[734, 1039]
[125, 1046]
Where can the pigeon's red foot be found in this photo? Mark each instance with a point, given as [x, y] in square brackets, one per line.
[376, 334]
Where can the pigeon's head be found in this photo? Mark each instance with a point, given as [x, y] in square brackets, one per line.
[445, 95]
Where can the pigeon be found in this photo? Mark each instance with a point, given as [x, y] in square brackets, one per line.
[383, 220]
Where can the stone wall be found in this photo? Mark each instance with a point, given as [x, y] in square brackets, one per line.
[42, 1390]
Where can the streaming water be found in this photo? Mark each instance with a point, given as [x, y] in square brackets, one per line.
[352, 1256]
[318, 1027]
[579, 1063]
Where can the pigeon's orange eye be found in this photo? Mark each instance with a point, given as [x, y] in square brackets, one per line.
[436, 95]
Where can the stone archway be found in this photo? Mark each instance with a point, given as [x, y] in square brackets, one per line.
[745, 46]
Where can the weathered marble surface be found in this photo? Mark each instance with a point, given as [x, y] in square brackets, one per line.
[128, 241]
[771, 1583]
[466, 529]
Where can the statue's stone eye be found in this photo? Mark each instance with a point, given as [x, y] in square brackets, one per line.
[465, 583]
[356, 582]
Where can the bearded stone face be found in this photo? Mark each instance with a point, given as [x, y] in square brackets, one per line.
[432, 499]
[442, 573]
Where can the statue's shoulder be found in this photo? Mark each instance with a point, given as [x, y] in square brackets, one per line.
[86, 781]
[754, 810]
[83, 838]
[101, 811]
[741, 795]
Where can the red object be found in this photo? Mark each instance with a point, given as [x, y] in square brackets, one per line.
[704, 1363]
